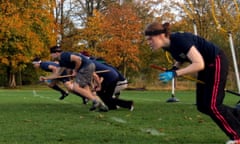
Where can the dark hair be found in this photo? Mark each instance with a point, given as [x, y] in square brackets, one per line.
[85, 53]
[36, 60]
[156, 28]
[55, 49]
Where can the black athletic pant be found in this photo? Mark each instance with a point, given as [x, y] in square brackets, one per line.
[210, 97]
[106, 94]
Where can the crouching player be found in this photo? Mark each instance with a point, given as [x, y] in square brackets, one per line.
[50, 66]
[109, 87]
[83, 70]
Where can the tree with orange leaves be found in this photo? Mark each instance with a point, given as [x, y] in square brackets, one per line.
[25, 30]
[93, 33]
[114, 35]
[123, 27]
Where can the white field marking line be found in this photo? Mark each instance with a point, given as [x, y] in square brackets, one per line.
[152, 131]
[56, 100]
[44, 97]
[119, 120]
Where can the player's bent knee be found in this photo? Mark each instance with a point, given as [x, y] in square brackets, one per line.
[69, 86]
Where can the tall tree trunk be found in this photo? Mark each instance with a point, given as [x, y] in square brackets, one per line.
[11, 78]
[12, 81]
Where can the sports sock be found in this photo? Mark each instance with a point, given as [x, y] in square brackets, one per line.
[57, 88]
[84, 99]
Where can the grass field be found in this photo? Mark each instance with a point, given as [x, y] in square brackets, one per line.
[36, 116]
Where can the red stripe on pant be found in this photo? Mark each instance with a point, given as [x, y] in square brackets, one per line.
[214, 99]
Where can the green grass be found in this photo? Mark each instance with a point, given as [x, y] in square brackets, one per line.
[40, 118]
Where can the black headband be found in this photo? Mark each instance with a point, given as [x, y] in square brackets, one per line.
[154, 32]
[55, 49]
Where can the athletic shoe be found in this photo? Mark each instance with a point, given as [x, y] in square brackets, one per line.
[131, 108]
[85, 100]
[101, 107]
[233, 142]
[94, 105]
[63, 95]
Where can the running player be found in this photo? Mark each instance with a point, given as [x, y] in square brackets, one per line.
[112, 83]
[211, 64]
[51, 67]
[109, 87]
[83, 70]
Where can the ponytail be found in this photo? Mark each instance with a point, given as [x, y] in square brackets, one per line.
[166, 27]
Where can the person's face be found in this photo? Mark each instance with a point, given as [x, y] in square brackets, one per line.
[36, 65]
[157, 41]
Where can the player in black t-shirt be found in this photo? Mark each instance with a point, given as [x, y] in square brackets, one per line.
[209, 62]
[109, 85]
[50, 66]
[83, 70]
[112, 83]
[122, 82]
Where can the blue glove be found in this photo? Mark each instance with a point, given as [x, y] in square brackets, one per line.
[167, 76]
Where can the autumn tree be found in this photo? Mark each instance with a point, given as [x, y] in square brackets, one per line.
[66, 29]
[83, 9]
[25, 31]
[114, 34]
[72, 16]
[123, 33]
[208, 16]
[93, 34]
[226, 15]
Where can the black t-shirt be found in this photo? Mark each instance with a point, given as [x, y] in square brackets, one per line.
[45, 65]
[182, 42]
[65, 60]
[110, 76]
